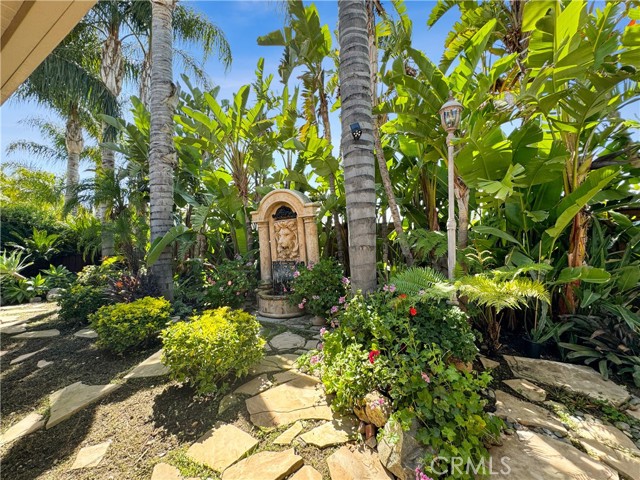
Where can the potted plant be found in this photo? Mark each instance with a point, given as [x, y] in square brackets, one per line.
[544, 329]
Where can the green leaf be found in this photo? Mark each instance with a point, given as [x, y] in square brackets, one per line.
[579, 198]
[585, 273]
[484, 230]
[158, 246]
[534, 11]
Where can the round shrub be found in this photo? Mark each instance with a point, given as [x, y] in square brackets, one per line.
[80, 301]
[319, 288]
[230, 283]
[126, 325]
[212, 348]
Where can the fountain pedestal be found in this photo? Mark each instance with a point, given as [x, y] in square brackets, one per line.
[288, 236]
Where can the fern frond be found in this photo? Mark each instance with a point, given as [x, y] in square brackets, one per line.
[422, 284]
[501, 294]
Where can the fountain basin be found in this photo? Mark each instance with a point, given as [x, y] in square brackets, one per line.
[276, 306]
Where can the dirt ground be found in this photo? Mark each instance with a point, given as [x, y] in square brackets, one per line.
[147, 420]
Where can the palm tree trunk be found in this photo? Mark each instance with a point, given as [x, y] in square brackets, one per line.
[75, 144]
[112, 74]
[382, 163]
[359, 163]
[162, 157]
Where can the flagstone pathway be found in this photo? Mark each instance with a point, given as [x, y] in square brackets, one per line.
[542, 441]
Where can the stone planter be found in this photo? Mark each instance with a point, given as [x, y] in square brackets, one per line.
[318, 321]
[276, 306]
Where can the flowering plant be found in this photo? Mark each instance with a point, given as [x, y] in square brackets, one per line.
[319, 288]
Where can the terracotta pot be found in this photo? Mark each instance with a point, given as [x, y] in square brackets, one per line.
[466, 367]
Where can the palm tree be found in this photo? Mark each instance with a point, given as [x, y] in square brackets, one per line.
[63, 145]
[118, 21]
[162, 157]
[357, 153]
[67, 82]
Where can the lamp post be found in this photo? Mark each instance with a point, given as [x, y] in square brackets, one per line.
[450, 116]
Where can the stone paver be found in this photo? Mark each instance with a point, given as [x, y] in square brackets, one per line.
[221, 447]
[274, 363]
[525, 413]
[265, 466]
[307, 473]
[576, 378]
[75, 397]
[254, 387]
[86, 333]
[527, 389]
[3, 353]
[289, 434]
[284, 377]
[336, 432]
[488, 364]
[38, 334]
[298, 399]
[311, 345]
[29, 424]
[611, 446]
[13, 329]
[164, 471]
[287, 341]
[89, 457]
[43, 363]
[530, 456]
[356, 464]
[151, 367]
[25, 356]
[634, 414]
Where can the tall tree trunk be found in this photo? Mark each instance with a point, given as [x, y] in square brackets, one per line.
[428, 189]
[112, 74]
[359, 163]
[326, 128]
[75, 144]
[162, 157]
[382, 163]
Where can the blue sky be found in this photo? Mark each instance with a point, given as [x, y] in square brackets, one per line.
[242, 22]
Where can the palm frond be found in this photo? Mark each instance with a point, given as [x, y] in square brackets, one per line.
[193, 27]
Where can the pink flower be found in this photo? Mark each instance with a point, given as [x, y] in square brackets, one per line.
[296, 274]
[334, 309]
[385, 288]
[345, 281]
[420, 475]
[342, 300]
[314, 359]
[310, 266]
[229, 283]
[425, 377]
[320, 346]
[392, 288]
[301, 305]
[323, 331]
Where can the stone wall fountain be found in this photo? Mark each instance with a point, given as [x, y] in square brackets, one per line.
[288, 236]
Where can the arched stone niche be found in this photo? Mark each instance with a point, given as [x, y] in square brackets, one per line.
[287, 231]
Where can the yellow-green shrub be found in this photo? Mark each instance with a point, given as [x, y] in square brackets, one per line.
[127, 325]
[212, 348]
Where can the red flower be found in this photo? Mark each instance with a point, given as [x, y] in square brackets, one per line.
[413, 312]
[372, 355]
[403, 296]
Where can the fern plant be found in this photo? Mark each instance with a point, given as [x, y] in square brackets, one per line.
[493, 292]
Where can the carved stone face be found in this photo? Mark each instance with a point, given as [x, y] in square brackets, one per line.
[286, 237]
